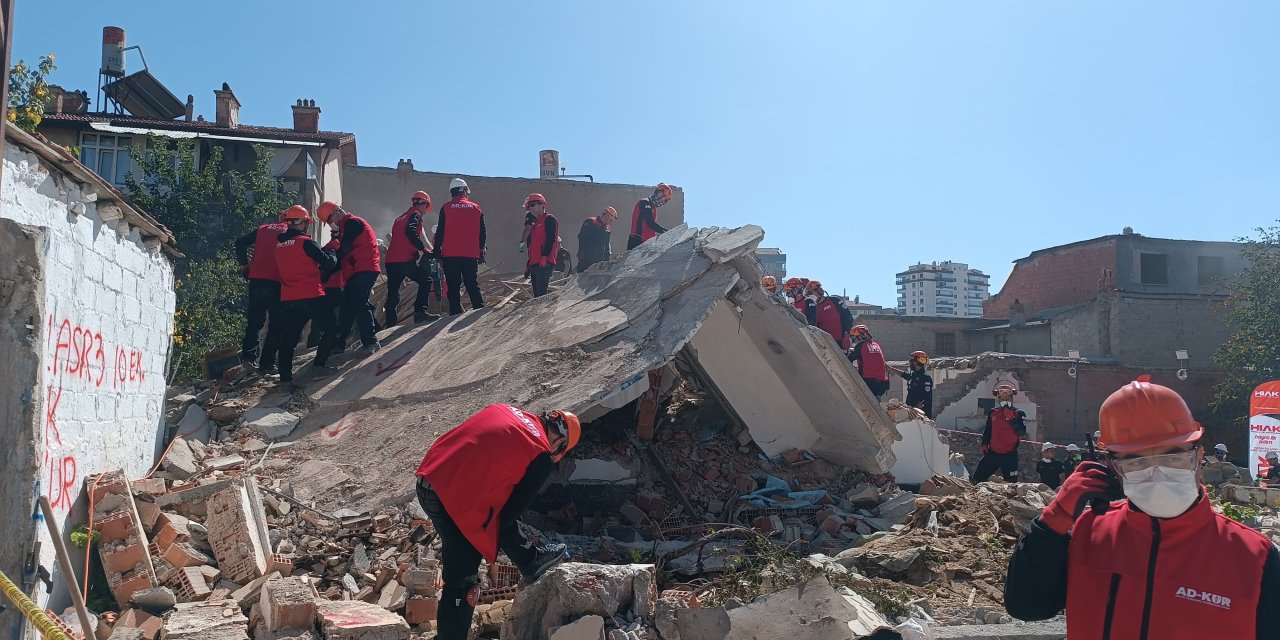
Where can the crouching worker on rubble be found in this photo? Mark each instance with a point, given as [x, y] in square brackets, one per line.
[1161, 564]
[474, 483]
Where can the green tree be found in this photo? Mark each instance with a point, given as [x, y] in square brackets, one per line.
[1251, 355]
[206, 207]
[29, 92]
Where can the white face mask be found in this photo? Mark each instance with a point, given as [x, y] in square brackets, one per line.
[1162, 492]
[1006, 403]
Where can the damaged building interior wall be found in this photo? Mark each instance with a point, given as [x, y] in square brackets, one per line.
[102, 339]
[968, 412]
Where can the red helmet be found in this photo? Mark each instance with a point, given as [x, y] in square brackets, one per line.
[325, 210]
[794, 284]
[421, 195]
[663, 191]
[534, 198]
[296, 212]
[769, 283]
[920, 357]
[1004, 386]
[860, 332]
[812, 285]
[1142, 415]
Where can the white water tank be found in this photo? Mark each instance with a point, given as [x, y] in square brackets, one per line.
[112, 52]
[548, 164]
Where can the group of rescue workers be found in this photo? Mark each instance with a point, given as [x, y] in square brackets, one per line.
[293, 281]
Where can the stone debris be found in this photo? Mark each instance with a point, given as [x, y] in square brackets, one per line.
[355, 620]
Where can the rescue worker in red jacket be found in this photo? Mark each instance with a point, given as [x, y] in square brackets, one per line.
[303, 266]
[869, 357]
[359, 247]
[332, 295]
[1006, 425]
[460, 245]
[544, 243]
[793, 290]
[826, 313]
[644, 217]
[593, 239]
[1131, 547]
[408, 245]
[474, 483]
[263, 303]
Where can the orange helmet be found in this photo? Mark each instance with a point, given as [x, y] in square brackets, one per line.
[534, 198]
[860, 332]
[663, 191]
[296, 212]
[421, 195]
[769, 283]
[611, 212]
[794, 284]
[812, 285]
[568, 425]
[920, 357]
[1141, 415]
[325, 210]
[1004, 385]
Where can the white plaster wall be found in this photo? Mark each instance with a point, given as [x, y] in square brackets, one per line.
[105, 337]
[921, 454]
[964, 414]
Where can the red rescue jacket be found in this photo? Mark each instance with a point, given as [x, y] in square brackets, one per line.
[339, 278]
[872, 365]
[364, 249]
[263, 264]
[299, 273]
[475, 466]
[461, 230]
[1003, 437]
[829, 321]
[1132, 577]
[638, 227]
[401, 250]
[538, 237]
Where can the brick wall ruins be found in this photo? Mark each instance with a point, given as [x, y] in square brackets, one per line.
[1060, 278]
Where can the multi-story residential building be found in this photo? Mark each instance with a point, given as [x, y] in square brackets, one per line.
[946, 288]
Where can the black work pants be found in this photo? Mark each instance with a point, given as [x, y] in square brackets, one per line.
[541, 279]
[877, 386]
[332, 302]
[1007, 463]
[922, 401]
[262, 307]
[397, 273]
[457, 273]
[460, 561]
[296, 314]
[356, 309]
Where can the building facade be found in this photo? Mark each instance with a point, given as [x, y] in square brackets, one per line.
[773, 262]
[947, 289]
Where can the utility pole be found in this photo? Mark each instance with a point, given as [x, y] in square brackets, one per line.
[1075, 400]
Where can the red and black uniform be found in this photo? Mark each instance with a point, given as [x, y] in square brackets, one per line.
[263, 305]
[1125, 575]
[871, 366]
[302, 266]
[407, 248]
[919, 389]
[332, 296]
[1004, 430]
[474, 483]
[829, 315]
[644, 224]
[593, 243]
[460, 243]
[544, 249]
[358, 255]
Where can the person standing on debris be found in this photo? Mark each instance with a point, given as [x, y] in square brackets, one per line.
[408, 245]
[1073, 458]
[332, 297]
[263, 303]
[303, 266]
[1049, 468]
[826, 313]
[474, 483]
[866, 353]
[460, 246]
[1006, 425]
[644, 217]
[359, 248]
[919, 383]
[544, 243]
[1159, 564]
[593, 239]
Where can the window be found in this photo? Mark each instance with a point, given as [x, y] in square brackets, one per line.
[107, 155]
[1209, 270]
[1002, 343]
[944, 344]
[1154, 268]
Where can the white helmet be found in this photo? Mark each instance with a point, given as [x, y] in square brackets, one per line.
[457, 183]
[1220, 447]
[1072, 447]
[1271, 455]
[1046, 446]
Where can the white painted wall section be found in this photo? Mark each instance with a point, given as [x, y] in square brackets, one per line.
[965, 415]
[921, 454]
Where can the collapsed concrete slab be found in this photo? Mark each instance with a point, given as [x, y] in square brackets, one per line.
[687, 300]
[810, 611]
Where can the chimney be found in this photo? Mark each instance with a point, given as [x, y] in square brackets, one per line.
[1017, 314]
[191, 106]
[404, 168]
[306, 116]
[55, 103]
[228, 107]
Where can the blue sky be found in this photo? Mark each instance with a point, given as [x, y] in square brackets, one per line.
[863, 136]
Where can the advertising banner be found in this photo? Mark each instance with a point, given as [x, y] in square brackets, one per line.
[1264, 426]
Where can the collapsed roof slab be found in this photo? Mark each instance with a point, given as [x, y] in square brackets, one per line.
[689, 294]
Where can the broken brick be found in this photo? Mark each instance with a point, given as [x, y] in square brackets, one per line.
[181, 554]
[288, 603]
[136, 619]
[792, 456]
[420, 610]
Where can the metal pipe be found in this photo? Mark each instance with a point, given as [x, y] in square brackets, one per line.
[64, 561]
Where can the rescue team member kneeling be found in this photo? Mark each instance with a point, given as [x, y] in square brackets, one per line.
[1161, 564]
[474, 483]
[301, 262]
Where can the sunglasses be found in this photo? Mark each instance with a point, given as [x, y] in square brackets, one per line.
[1187, 460]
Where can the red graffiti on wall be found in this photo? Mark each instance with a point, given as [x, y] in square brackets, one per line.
[63, 478]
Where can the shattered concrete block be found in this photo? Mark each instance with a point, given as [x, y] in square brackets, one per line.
[149, 486]
[237, 532]
[811, 611]
[864, 496]
[127, 633]
[180, 462]
[584, 628]
[392, 596]
[356, 620]
[249, 594]
[288, 603]
[832, 525]
[421, 610]
[156, 600]
[195, 427]
[897, 508]
[576, 589]
[944, 486]
[225, 462]
[217, 620]
[135, 619]
[270, 423]
[421, 581]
